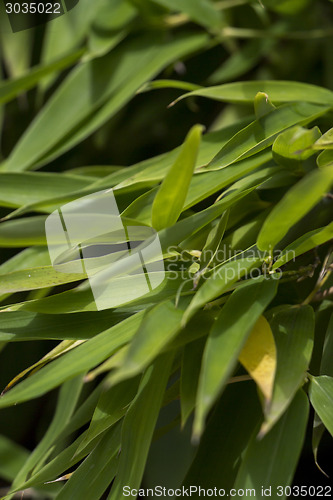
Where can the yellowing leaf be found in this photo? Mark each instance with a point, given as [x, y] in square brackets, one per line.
[258, 356]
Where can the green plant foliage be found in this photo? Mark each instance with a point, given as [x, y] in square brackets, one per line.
[169, 201]
[204, 376]
[266, 463]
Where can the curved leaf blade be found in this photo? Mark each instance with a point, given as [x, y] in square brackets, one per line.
[170, 198]
[225, 342]
[295, 204]
[271, 461]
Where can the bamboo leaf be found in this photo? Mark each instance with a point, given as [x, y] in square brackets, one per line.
[241, 61]
[293, 329]
[18, 326]
[204, 184]
[294, 146]
[262, 132]
[61, 348]
[111, 407]
[225, 438]
[12, 458]
[12, 88]
[38, 277]
[63, 461]
[225, 342]
[201, 11]
[266, 464]
[156, 168]
[20, 188]
[258, 357]
[321, 397]
[169, 200]
[262, 105]
[95, 473]
[73, 363]
[278, 91]
[68, 397]
[325, 141]
[159, 326]
[325, 369]
[138, 426]
[295, 204]
[222, 277]
[305, 243]
[213, 241]
[325, 159]
[116, 77]
[191, 362]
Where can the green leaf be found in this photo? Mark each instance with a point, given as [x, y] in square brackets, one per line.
[242, 237]
[270, 462]
[64, 460]
[12, 88]
[96, 90]
[156, 168]
[38, 277]
[31, 231]
[213, 241]
[141, 207]
[18, 326]
[79, 300]
[261, 133]
[23, 232]
[111, 24]
[241, 61]
[19, 189]
[305, 243]
[191, 362]
[96, 472]
[295, 145]
[326, 368]
[200, 11]
[69, 31]
[111, 407]
[325, 141]
[225, 438]
[162, 84]
[73, 363]
[169, 200]
[68, 397]
[159, 326]
[204, 184]
[138, 426]
[278, 91]
[293, 329]
[262, 105]
[225, 342]
[16, 48]
[325, 159]
[83, 412]
[321, 397]
[285, 7]
[29, 257]
[295, 204]
[58, 350]
[12, 458]
[222, 277]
